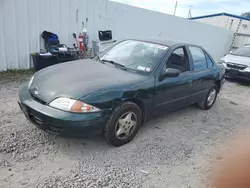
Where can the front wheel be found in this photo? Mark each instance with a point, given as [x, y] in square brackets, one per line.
[210, 99]
[123, 124]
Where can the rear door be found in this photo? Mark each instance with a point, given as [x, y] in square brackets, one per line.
[203, 73]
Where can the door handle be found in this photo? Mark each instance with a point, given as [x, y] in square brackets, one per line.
[190, 82]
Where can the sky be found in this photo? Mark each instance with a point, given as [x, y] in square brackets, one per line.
[198, 7]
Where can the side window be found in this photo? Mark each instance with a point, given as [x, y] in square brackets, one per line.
[178, 60]
[199, 58]
[209, 62]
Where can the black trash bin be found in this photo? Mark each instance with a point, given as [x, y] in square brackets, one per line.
[66, 56]
[43, 61]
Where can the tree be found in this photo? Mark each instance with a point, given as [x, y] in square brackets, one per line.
[246, 14]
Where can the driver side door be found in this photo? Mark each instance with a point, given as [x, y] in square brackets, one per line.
[174, 92]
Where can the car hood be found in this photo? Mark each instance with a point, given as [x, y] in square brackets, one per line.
[79, 78]
[230, 58]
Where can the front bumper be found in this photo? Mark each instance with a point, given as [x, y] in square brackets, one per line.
[59, 122]
[240, 74]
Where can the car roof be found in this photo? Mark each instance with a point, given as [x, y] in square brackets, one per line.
[168, 43]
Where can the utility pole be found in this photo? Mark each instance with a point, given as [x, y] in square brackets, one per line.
[176, 4]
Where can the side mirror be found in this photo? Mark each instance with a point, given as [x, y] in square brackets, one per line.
[231, 52]
[170, 73]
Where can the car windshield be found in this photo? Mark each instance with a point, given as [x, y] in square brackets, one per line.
[244, 51]
[135, 55]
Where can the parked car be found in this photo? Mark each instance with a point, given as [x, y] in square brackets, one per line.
[237, 63]
[115, 92]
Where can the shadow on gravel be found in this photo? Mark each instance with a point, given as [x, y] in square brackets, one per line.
[98, 142]
[76, 148]
[170, 121]
[94, 143]
[239, 81]
[182, 112]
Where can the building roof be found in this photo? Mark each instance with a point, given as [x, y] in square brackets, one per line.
[220, 14]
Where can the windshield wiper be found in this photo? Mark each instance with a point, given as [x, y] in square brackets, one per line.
[114, 63]
[98, 58]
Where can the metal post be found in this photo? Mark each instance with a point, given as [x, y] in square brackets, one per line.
[176, 4]
[106, 14]
[189, 12]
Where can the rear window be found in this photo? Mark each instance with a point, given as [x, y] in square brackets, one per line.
[199, 58]
[209, 62]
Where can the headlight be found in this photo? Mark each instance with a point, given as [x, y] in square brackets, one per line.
[31, 80]
[72, 105]
[223, 62]
[247, 69]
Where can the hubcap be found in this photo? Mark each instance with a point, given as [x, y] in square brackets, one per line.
[211, 97]
[125, 125]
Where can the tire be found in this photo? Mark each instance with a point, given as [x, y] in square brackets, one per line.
[121, 113]
[206, 104]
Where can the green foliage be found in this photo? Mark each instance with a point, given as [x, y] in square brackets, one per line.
[246, 14]
[12, 74]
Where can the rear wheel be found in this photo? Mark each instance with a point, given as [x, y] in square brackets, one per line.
[123, 124]
[210, 99]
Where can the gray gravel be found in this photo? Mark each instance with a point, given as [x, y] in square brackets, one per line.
[175, 150]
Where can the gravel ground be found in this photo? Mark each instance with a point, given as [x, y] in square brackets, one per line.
[175, 150]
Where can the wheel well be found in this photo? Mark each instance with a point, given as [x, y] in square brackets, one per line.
[139, 103]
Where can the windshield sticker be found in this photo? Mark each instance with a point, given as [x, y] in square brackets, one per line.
[152, 45]
[141, 68]
[148, 69]
[162, 47]
[158, 46]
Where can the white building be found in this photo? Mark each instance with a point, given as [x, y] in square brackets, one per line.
[239, 25]
[23, 21]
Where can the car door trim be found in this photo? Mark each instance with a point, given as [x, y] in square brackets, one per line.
[164, 103]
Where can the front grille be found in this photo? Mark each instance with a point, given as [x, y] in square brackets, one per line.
[35, 119]
[54, 129]
[42, 125]
[37, 99]
[236, 66]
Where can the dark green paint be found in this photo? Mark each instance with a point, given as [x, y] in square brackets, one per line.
[105, 86]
